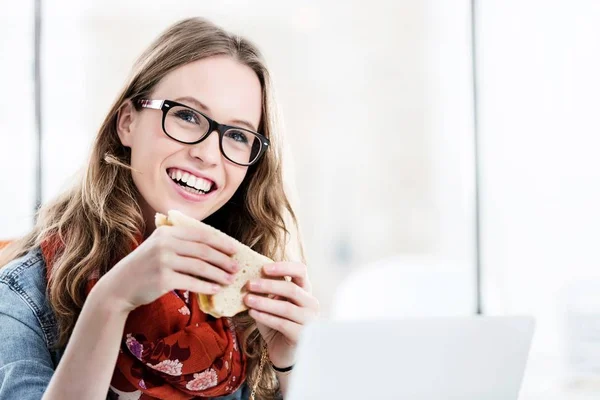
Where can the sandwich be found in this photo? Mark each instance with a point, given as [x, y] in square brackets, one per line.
[230, 300]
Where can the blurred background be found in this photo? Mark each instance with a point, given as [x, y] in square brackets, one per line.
[443, 154]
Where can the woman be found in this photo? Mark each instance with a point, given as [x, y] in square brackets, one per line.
[95, 286]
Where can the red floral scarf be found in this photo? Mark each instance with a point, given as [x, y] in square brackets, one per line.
[171, 349]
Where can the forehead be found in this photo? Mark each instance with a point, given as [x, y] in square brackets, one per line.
[230, 90]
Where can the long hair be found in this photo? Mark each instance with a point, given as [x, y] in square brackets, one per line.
[99, 218]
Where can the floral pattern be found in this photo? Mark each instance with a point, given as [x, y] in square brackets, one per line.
[135, 347]
[169, 367]
[202, 381]
[184, 310]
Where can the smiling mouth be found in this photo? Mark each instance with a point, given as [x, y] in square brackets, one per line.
[191, 183]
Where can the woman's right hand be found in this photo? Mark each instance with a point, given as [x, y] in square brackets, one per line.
[173, 257]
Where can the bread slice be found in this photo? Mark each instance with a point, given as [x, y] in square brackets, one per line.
[230, 300]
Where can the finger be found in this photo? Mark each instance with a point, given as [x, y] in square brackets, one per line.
[286, 289]
[201, 269]
[206, 253]
[289, 329]
[223, 243]
[279, 308]
[297, 271]
[179, 281]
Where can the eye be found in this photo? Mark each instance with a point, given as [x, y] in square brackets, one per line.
[188, 116]
[238, 136]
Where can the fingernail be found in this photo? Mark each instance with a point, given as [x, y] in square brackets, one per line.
[230, 278]
[235, 266]
[251, 299]
[254, 284]
[269, 268]
[215, 288]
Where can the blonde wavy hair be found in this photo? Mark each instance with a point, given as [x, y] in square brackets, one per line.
[99, 218]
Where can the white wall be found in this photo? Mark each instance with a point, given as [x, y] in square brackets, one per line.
[17, 119]
[419, 253]
[539, 85]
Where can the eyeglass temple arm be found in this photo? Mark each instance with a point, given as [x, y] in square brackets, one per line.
[155, 104]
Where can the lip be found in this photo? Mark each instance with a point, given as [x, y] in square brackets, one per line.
[191, 197]
[196, 173]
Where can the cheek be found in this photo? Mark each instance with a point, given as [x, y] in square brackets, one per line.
[150, 146]
[235, 175]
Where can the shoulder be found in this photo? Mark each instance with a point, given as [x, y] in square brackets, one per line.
[23, 294]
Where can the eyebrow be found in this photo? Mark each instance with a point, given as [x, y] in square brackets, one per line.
[197, 103]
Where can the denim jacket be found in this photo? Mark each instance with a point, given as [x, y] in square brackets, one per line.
[28, 332]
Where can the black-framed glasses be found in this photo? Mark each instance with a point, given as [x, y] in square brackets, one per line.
[188, 126]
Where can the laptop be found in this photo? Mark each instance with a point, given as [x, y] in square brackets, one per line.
[450, 358]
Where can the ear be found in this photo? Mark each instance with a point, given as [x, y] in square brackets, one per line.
[125, 122]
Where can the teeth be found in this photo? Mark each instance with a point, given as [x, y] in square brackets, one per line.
[189, 189]
[202, 184]
[191, 181]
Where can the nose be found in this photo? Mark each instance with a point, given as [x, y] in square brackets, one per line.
[207, 150]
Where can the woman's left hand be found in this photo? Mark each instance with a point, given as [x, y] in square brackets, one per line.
[281, 319]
